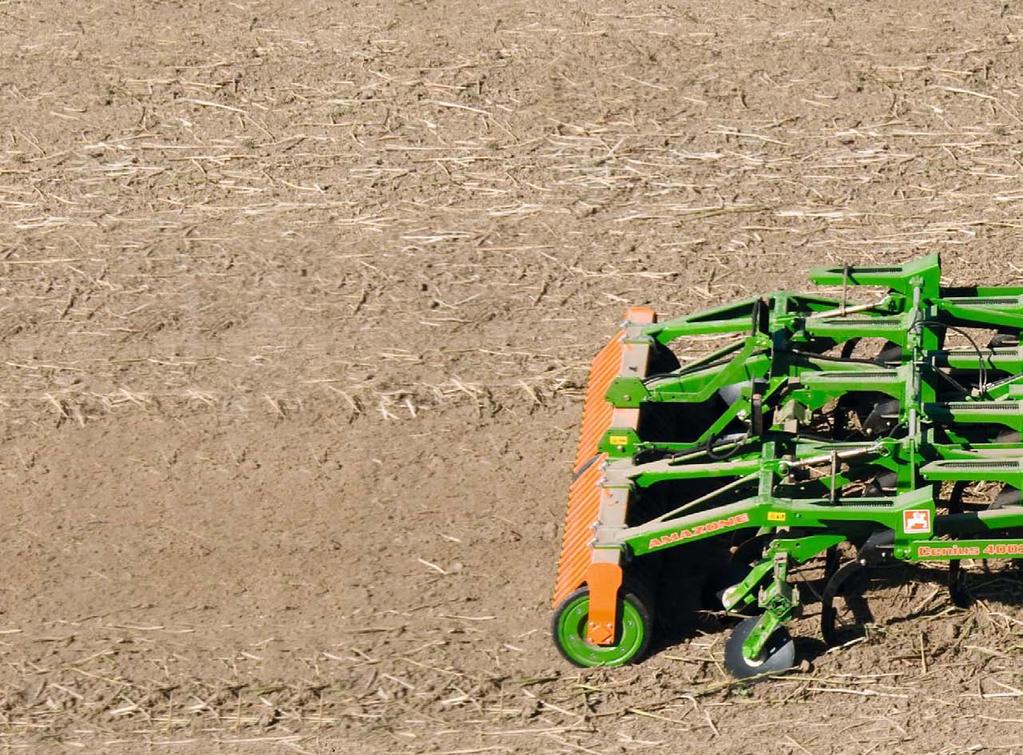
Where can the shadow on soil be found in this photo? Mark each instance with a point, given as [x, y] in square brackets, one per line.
[868, 603]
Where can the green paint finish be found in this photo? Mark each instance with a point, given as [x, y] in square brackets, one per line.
[782, 432]
[571, 635]
[620, 442]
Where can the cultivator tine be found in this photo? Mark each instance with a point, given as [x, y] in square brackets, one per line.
[587, 492]
[801, 441]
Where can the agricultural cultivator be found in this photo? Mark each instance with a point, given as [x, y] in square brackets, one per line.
[862, 435]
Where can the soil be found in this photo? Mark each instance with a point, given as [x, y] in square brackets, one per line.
[297, 303]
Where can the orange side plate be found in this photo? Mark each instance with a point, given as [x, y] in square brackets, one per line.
[584, 495]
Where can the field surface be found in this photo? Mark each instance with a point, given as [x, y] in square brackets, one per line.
[296, 306]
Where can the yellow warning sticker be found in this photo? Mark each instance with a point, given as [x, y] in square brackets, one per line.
[618, 440]
[776, 516]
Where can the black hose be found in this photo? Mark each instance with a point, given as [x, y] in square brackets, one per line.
[982, 386]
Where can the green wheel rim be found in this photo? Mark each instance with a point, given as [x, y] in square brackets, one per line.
[572, 635]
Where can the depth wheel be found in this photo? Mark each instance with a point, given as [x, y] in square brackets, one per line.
[635, 625]
[779, 654]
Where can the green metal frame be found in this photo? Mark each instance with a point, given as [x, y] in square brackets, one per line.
[781, 375]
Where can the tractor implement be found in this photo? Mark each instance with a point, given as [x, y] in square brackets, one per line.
[877, 431]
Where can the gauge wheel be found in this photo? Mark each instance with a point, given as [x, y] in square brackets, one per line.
[779, 654]
[635, 626]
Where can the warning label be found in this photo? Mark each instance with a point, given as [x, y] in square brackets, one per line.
[916, 522]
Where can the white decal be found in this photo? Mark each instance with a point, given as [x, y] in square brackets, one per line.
[916, 522]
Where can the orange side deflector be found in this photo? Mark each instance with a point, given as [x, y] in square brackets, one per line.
[597, 410]
[576, 565]
[584, 495]
[583, 509]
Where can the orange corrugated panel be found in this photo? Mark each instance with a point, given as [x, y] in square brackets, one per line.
[597, 410]
[584, 495]
[584, 505]
[583, 509]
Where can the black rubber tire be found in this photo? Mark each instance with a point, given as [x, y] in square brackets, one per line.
[778, 655]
